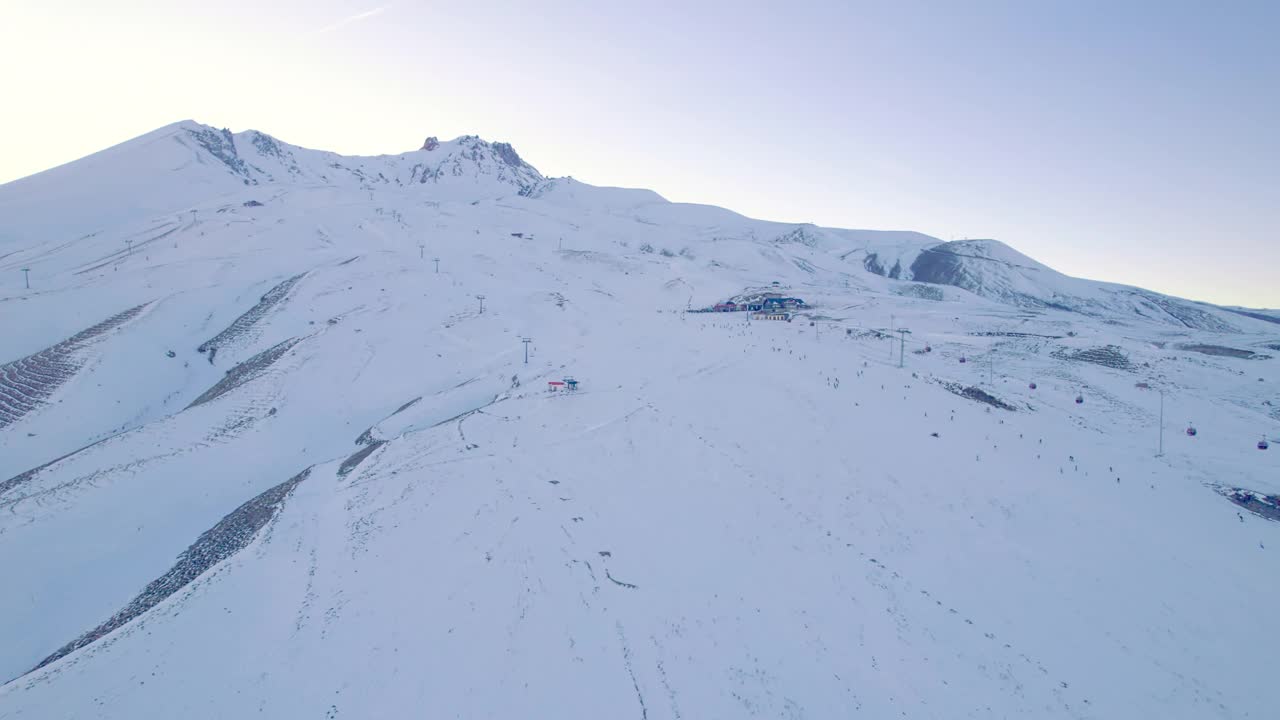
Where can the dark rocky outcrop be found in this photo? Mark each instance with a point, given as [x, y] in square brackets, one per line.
[245, 371]
[231, 535]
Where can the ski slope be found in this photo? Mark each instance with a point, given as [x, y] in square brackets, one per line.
[346, 494]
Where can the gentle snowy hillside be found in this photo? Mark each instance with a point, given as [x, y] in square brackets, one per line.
[262, 452]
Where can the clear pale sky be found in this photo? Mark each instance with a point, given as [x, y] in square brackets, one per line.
[1137, 142]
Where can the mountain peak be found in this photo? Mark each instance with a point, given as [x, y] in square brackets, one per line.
[508, 154]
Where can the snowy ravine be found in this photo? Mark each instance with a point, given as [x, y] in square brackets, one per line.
[261, 453]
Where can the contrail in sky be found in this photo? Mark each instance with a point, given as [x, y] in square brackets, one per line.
[352, 18]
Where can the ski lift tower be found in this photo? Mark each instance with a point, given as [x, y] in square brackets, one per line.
[26, 276]
[1160, 430]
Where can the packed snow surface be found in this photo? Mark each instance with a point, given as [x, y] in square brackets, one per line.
[263, 453]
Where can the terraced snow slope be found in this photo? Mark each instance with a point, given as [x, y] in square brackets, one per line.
[27, 383]
[313, 479]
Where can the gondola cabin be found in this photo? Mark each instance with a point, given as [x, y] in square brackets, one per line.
[1079, 399]
[1262, 444]
[1032, 386]
[962, 360]
[1191, 431]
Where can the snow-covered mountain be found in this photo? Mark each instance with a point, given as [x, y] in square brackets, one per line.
[183, 165]
[263, 451]
[993, 270]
